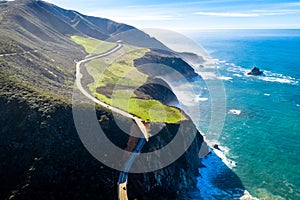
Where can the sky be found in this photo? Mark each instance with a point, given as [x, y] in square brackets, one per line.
[193, 15]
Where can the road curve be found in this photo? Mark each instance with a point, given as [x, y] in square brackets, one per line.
[114, 109]
[122, 182]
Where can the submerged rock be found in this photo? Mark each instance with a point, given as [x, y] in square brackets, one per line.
[255, 72]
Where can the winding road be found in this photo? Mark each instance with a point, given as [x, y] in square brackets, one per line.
[122, 181]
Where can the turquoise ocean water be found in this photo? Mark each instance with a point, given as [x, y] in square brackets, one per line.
[261, 133]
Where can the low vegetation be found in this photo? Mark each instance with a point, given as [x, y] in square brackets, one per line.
[115, 80]
[93, 46]
[121, 71]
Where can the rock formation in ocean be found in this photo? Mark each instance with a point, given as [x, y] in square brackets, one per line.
[255, 72]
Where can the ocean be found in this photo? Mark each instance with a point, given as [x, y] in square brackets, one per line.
[261, 133]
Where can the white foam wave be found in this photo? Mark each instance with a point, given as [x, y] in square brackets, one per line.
[288, 80]
[267, 95]
[222, 152]
[247, 196]
[211, 176]
[239, 71]
[205, 183]
[230, 163]
[225, 78]
[218, 61]
[201, 99]
[237, 75]
[235, 112]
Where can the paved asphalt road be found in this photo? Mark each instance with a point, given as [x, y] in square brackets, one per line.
[122, 182]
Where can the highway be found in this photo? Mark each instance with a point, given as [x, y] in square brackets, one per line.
[122, 181]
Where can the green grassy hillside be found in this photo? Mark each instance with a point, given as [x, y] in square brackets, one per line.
[92, 45]
[116, 79]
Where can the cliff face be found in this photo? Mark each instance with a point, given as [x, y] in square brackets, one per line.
[42, 155]
[165, 58]
[154, 90]
[179, 179]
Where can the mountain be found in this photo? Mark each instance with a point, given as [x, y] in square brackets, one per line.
[41, 154]
[40, 32]
[46, 22]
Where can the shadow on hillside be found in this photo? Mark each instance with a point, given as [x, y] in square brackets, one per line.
[217, 180]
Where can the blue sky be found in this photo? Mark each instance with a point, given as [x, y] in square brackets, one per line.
[193, 15]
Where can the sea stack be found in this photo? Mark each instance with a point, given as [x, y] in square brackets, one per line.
[255, 72]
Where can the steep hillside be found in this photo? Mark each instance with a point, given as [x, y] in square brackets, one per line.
[41, 153]
[36, 35]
